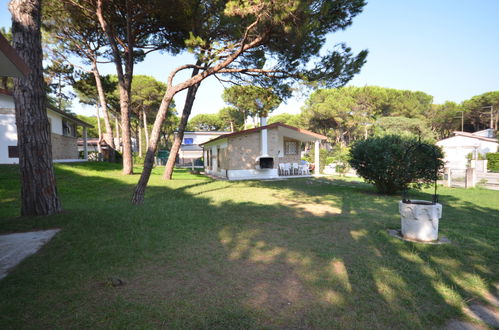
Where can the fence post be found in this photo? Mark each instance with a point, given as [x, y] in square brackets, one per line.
[470, 179]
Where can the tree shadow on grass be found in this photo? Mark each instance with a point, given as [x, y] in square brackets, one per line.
[190, 262]
[463, 271]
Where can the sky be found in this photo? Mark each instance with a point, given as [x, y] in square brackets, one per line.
[446, 48]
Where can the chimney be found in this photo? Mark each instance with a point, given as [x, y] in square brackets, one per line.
[264, 161]
[264, 145]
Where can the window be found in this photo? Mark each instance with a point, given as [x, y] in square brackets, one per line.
[208, 158]
[13, 152]
[188, 141]
[68, 128]
[290, 147]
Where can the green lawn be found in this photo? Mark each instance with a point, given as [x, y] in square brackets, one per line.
[303, 253]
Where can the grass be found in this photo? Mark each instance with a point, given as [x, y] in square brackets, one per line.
[303, 253]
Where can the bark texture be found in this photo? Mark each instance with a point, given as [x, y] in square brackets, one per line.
[38, 184]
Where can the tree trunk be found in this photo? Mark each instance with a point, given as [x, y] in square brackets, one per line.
[186, 112]
[117, 125]
[125, 127]
[103, 104]
[125, 82]
[146, 131]
[140, 188]
[99, 149]
[38, 184]
[138, 136]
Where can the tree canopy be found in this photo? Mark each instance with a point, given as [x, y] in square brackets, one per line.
[289, 119]
[481, 111]
[86, 90]
[403, 126]
[349, 113]
[252, 101]
[231, 118]
[205, 122]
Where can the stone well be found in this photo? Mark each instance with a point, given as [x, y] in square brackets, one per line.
[420, 220]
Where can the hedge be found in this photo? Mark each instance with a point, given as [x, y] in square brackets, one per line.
[493, 161]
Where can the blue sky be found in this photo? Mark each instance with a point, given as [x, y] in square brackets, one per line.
[446, 48]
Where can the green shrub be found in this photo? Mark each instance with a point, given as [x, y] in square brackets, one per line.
[137, 160]
[493, 161]
[392, 163]
[479, 156]
[341, 156]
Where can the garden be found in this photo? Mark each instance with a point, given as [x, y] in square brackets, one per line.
[199, 253]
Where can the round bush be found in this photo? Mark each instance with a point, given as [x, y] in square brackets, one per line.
[392, 163]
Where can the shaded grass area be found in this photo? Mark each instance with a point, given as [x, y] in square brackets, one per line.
[304, 253]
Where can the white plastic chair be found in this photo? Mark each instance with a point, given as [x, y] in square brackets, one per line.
[283, 169]
[295, 169]
[305, 170]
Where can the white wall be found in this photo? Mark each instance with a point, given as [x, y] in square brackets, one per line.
[55, 122]
[457, 147]
[253, 174]
[7, 102]
[8, 137]
[8, 128]
[198, 138]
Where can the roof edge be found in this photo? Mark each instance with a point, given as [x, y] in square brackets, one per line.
[273, 125]
[13, 57]
[473, 136]
[70, 116]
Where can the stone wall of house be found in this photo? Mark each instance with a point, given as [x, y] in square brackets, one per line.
[273, 144]
[245, 149]
[284, 158]
[64, 147]
[223, 159]
[290, 159]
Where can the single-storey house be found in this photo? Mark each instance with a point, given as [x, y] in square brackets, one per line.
[62, 129]
[190, 149]
[457, 147]
[258, 152]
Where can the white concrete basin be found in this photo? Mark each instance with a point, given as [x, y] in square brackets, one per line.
[420, 219]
